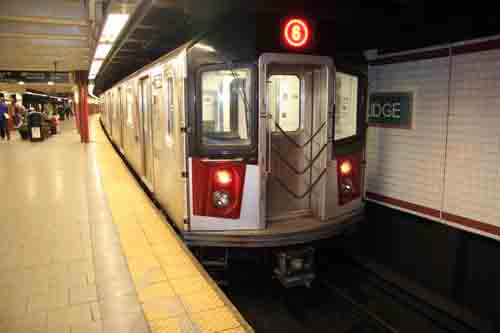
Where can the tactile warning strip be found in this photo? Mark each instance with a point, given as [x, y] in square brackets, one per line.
[175, 293]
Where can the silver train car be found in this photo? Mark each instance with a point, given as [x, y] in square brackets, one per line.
[248, 136]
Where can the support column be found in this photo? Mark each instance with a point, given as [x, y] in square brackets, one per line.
[81, 105]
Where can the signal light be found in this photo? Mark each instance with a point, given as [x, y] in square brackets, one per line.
[296, 33]
[345, 168]
[223, 177]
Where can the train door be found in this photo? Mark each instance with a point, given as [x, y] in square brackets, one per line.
[147, 133]
[156, 108]
[295, 127]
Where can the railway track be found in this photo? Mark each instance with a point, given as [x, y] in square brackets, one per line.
[387, 307]
[345, 298]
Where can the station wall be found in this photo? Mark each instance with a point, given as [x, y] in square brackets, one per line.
[446, 166]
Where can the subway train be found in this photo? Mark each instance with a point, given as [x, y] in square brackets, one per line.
[248, 135]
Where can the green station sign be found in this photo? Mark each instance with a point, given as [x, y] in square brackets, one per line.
[391, 109]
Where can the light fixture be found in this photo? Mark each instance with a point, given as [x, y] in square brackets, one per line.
[94, 68]
[21, 82]
[51, 83]
[102, 51]
[113, 26]
[35, 94]
[205, 47]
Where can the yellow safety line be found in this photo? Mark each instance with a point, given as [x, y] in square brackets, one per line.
[175, 293]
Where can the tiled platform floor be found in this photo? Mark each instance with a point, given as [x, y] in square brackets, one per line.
[64, 263]
[57, 270]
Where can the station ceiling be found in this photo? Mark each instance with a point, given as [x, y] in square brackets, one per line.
[34, 34]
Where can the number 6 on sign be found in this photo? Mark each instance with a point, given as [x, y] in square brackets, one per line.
[296, 33]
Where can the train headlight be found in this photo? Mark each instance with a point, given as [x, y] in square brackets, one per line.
[221, 199]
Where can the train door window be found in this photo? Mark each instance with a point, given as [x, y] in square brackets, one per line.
[284, 102]
[346, 112]
[169, 94]
[113, 105]
[225, 114]
[156, 108]
[130, 107]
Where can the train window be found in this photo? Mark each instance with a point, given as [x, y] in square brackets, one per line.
[225, 107]
[169, 93]
[130, 107]
[284, 102]
[346, 112]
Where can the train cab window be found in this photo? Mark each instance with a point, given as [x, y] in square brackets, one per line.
[225, 114]
[284, 102]
[346, 112]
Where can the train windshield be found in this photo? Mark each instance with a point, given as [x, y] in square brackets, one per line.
[225, 110]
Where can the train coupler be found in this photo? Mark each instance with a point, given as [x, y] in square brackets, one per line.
[295, 266]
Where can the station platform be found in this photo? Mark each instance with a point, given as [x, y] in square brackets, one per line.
[84, 249]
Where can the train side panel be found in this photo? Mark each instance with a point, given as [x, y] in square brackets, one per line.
[132, 128]
[169, 137]
[122, 117]
[116, 117]
[447, 165]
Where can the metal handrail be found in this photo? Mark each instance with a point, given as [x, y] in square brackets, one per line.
[301, 196]
[293, 141]
[288, 164]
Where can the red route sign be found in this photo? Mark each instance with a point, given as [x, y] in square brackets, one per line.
[296, 33]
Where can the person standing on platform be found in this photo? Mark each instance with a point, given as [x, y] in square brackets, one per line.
[4, 120]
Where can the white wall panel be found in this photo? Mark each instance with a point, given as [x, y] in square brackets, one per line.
[473, 163]
[408, 164]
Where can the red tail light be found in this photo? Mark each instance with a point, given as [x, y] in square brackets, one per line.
[217, 188]
[223, 177]
[349, 178]
[345, 168]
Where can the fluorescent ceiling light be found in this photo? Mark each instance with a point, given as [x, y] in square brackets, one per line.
[21, 82]
[32, 93]
[205, 47]
[102, 51]
[94, 68]
[50, 83]
[113, 26]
